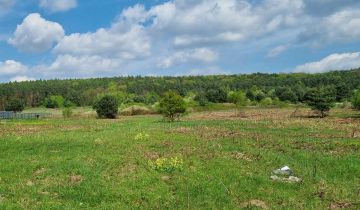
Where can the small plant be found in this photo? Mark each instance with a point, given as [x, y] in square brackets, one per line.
[172, 106]
[67, 112]
[167, 165]
[107, 107]
[142, 136]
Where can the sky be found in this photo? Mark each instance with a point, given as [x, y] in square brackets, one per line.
[60, 39]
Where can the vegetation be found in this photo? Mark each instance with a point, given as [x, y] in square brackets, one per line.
[213, 89]
[67, 112]
[222, 162]
[107, 107]
[15, 105]
[239, 99]
[172, 106]
[356, 100]
[321, 100]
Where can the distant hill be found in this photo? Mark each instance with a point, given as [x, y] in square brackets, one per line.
[83, 92]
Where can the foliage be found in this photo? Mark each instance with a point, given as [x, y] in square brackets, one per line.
[15, 105]
[266, 101]
[67, 112]
[172, 106]
[107, 107]
[167, 165]
[84, 92]
[216, 95]
[136, 110]
[239, 99]
[356, 100]
[321, 100]
[56, 101]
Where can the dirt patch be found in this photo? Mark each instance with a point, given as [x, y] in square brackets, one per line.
[254, 203]
[209, 133]
[23, 130]
[244, 156]
[75, 179]
[340, 205]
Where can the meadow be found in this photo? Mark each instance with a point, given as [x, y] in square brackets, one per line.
[222, 161]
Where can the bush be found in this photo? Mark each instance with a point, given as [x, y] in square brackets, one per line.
[356, 100]
[15, 105]
[266, 101]
[67, 112]
[201, 99]
[54, 102]
[217, 95]
[172, 106]
[239, 99]
[321, 100]
[107, 107]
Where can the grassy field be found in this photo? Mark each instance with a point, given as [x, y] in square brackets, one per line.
[224, 162]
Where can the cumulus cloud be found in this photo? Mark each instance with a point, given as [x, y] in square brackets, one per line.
[221, 21]
[21, 79]
[35, 34]
[202, 55]
[58, 5]
[342, 61]
[11, 67]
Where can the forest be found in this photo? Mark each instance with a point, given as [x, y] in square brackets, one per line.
[289, 87]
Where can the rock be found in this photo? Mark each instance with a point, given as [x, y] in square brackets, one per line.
[283, 171]
[290, 179]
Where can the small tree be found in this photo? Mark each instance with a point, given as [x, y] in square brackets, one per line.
[239, 99]
[356, 100]
[107, 107]
[172, 106]
[321, 100]
[15, 105]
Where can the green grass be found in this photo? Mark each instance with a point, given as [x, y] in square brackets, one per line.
[85, 163]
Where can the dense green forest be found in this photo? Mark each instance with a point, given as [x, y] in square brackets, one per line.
[290, 87]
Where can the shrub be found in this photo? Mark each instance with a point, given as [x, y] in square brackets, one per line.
[201, 99]
[172, 106]
[107, 107]
[54, 102]
[356, 100]
[15, 105]
[266, 101]
[217, 95]
[67, 112]
[239, 99]
[321, 100]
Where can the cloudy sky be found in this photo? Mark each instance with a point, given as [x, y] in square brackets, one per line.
[43, 39]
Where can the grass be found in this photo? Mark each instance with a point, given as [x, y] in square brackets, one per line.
[85, 163]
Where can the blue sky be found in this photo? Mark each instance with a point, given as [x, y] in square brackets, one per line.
[46, 39]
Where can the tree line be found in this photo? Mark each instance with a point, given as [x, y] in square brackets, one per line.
[259, 87]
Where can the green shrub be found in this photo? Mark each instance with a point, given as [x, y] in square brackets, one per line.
[15, 105]
[107, 107]
[321, 100]
[356, 100]
[266, 101]
[67, 112]
[172, 106]
[54, 102]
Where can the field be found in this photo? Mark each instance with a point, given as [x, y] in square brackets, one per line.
[225, 162]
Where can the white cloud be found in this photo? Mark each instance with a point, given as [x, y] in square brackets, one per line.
[203, 55]
[343, 61]
[58, 5]
[21, 79]
[11, 67]
[36, 34]
[217, 21]
[277, 51]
